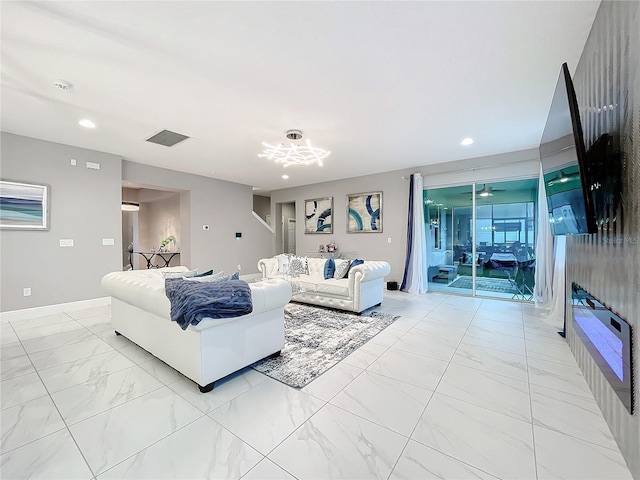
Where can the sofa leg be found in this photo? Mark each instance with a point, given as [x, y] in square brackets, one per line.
[117, 333]
[379, 304]
[275, 355]
[206, 388]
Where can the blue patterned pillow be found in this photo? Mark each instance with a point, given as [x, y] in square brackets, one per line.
[356, 262]
[329, 268]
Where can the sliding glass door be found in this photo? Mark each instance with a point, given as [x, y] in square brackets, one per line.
[487, 250]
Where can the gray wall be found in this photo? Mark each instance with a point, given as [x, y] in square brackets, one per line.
[395, 198]
[607, 264]
[226, 207]
[84, 206]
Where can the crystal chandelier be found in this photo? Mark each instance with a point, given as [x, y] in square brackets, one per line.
[294, 154]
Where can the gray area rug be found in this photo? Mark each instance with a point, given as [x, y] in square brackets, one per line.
[316, 339]
[501, 285]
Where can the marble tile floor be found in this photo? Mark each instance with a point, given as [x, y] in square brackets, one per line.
[456, 388]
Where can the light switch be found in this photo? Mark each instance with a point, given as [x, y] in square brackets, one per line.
[73, 162]
[66, 242]
[108, 241]
[389, 240]
[93, 165]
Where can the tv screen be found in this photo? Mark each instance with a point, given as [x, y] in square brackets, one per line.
[563, 158]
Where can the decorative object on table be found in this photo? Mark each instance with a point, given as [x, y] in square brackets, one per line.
[24, 206]
[321, 248]
[364, 212]
[294, 154]
[318, 215]
[164, 245]
[318, 338]
[332, 246]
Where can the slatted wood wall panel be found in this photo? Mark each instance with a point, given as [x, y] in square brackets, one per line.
[607, 264]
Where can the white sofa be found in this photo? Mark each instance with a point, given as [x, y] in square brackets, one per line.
[362, 289]
[205, 352]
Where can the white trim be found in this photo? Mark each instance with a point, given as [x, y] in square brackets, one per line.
[259, 218]
[53, 309]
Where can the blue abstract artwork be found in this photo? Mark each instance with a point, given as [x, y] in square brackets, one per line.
[318, 215]
[364, 213]
[23, 206]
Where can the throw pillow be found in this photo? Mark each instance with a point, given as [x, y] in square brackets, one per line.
[283, 263]
[218, 277]
[298, 265]
[356, 262]
[329, 268]
[205, 274]
[342, 270]
[190, 273]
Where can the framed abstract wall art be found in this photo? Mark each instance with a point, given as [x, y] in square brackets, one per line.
[24, 206]
[364, 212]
[318, 215]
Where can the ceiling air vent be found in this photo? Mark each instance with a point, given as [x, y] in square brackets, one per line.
[167, 138]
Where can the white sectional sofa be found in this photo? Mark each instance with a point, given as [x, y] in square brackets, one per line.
[362, 289]
[205, 352]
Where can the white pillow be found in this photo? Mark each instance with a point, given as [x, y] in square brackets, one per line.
[189, 273]
[207, 278]
[283, 263]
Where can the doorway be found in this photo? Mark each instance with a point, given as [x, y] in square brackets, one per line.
[151, 229]
[286, 234]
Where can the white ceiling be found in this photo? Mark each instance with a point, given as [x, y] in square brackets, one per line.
[383, 85]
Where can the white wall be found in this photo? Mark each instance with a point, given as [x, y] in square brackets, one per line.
[395, 188]
[84, 206]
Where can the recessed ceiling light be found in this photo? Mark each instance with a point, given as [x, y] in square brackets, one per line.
[466, 141]
[62, 85]
[86, 123]
[285, 176]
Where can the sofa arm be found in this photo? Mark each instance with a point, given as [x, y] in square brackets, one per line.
[369, 270]
[268, 267]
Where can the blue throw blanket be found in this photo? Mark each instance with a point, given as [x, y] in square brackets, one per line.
[193, 301]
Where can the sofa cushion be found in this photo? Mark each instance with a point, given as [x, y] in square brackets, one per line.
[334, 287]
[329, 268]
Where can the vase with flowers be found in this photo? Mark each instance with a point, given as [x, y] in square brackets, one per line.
[164, 246]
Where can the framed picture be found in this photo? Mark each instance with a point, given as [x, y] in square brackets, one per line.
[364, 212]
[318, 215]
[24, 206]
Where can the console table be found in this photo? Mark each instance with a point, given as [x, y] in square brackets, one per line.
[164, 256]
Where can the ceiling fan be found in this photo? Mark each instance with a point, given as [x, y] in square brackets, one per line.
[486, 191]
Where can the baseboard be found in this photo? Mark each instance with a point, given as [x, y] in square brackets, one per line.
[53, 309]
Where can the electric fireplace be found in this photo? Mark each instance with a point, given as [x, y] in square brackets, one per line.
[608, 339]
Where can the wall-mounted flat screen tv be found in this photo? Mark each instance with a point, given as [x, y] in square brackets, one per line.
[563, 158]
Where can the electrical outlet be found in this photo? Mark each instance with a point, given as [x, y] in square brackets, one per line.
[26, 292]
[108, 241]
[239, 267]
[389, 240]
[66, 242]
[205, 227]
[93, 165]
